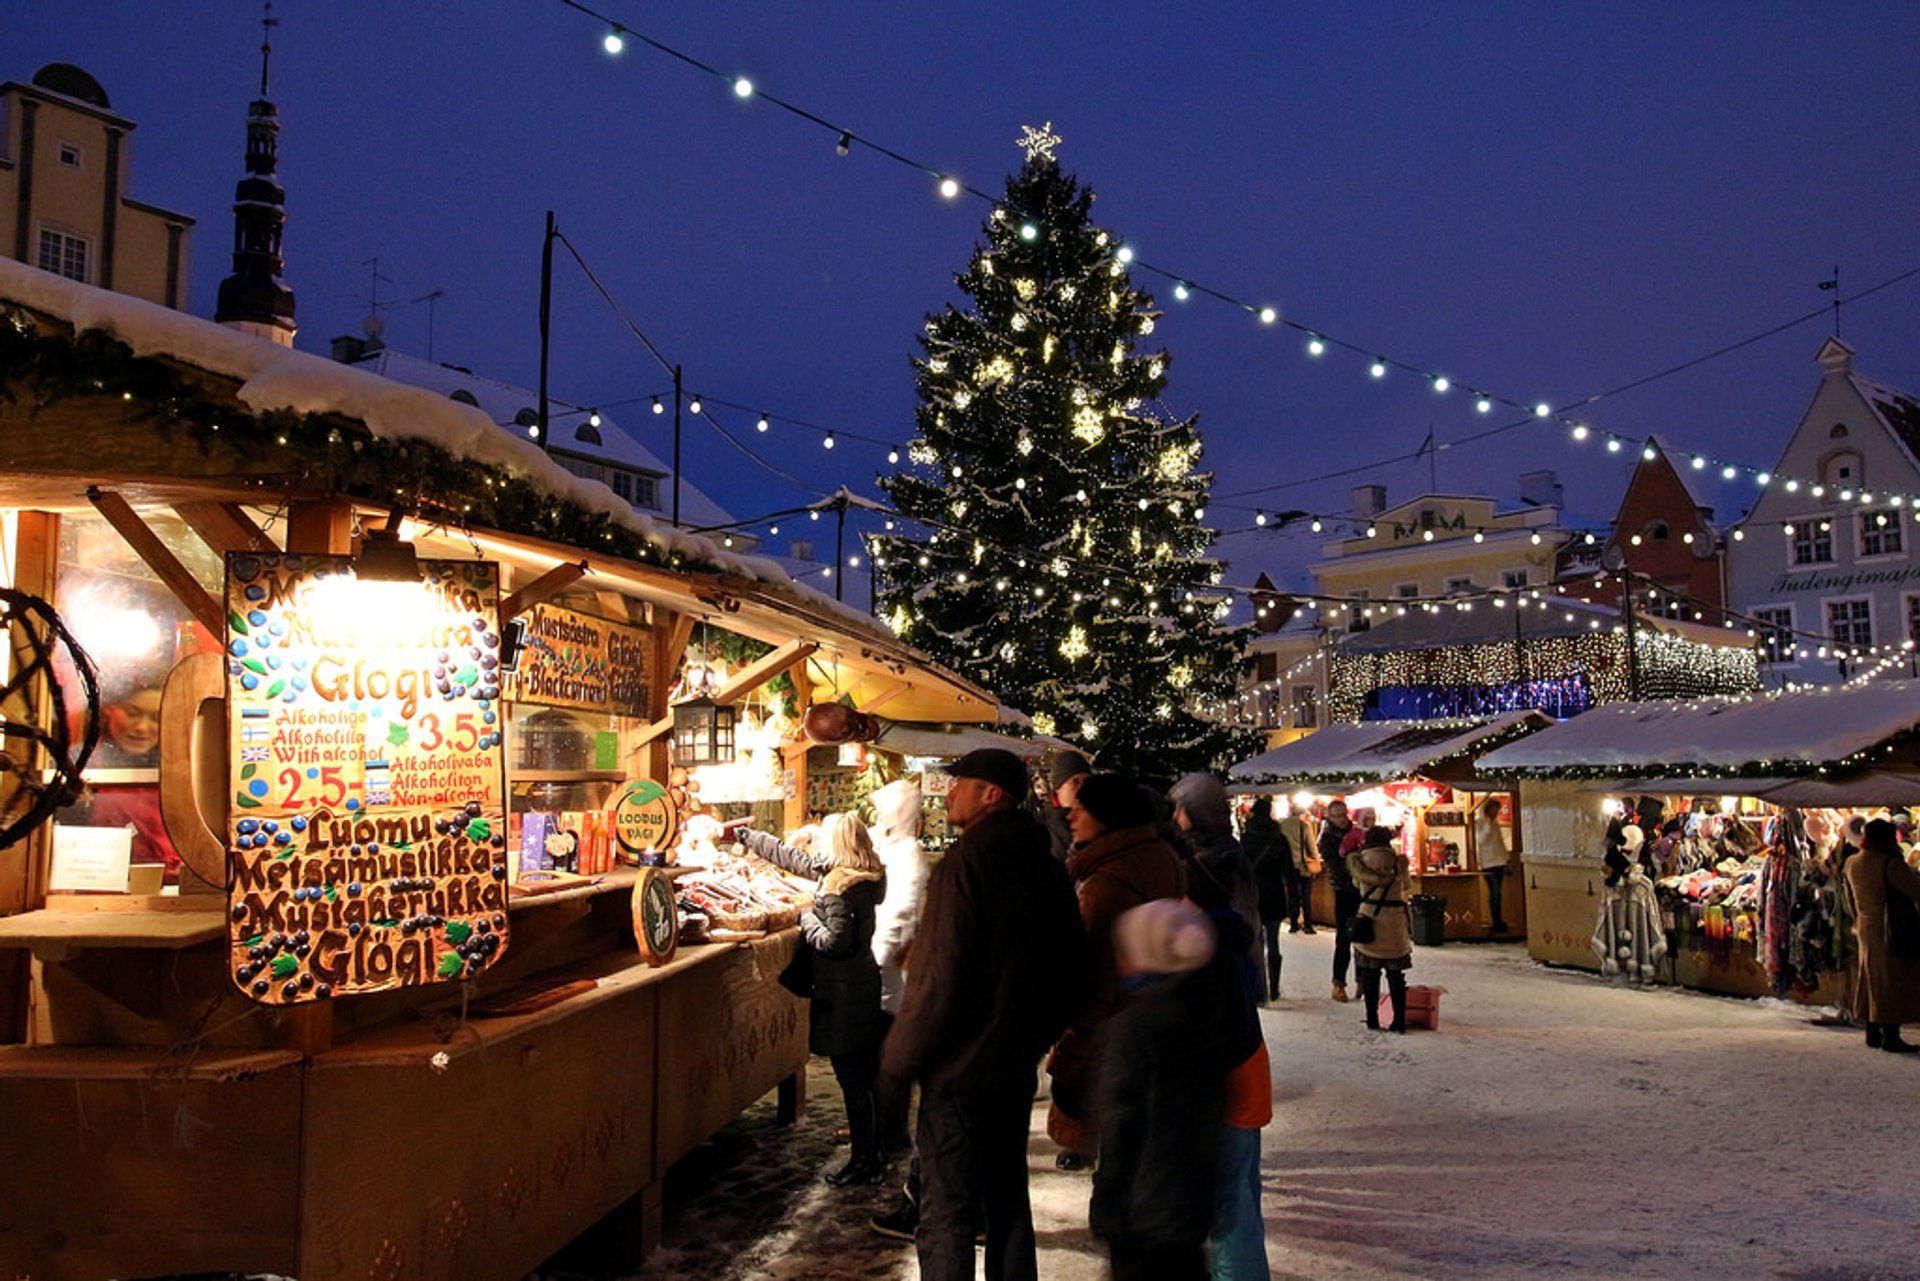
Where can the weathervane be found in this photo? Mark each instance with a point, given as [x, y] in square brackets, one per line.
[267, 23]
[1039, 143]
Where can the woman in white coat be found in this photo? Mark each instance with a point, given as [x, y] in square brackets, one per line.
[896, 838]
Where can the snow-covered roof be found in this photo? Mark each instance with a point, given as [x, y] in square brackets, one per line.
[1898, 410]
[1378, 751]
[501, 401]
[911, 739]
[1488, 624]
[1785, 734]
[272, 377]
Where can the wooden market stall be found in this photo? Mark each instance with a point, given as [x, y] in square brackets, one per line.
[289, 989]
[1420, 778]
[1726, 773]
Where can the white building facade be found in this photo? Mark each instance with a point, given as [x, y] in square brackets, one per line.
[1824, 564]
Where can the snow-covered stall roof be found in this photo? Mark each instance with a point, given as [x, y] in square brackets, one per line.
[1485, 623]
[912, 739]
[1377, 751]
[1778, 734]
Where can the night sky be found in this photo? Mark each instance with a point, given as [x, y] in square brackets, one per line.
[1543, 201]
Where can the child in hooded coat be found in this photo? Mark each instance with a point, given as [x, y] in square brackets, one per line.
[1162, 1086]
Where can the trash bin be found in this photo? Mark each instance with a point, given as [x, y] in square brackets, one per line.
[1429, 912]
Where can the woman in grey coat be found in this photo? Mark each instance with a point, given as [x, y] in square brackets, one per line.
[1381, 875]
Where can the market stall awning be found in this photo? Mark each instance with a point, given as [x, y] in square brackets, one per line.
[1378, 751]
[1777, 735]
[947, 743]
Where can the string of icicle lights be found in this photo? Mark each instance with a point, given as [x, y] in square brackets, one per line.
[1316, 340]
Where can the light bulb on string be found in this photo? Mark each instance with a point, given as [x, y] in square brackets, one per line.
[1181, 291]
[1029, 232]
[1315, 347]
[658, 408]
[1542, 409]
[693, 405]
[950, 188]
[761, 423]
[826, 441]
[614, 42]
[845, 144]
[742, 87]
[1378, 369]
[1442, 383]
[1484, 405]
[1613, 445]
[893, 455]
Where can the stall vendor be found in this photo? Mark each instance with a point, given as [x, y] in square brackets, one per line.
[132, 741]
[1490, 845]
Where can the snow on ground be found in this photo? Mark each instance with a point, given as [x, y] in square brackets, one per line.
[1555, 1125]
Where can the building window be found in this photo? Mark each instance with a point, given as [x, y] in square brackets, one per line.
[1850, 622]
[1913, 619]
[1306, 707]
[1406, 591]
[1880, 532]
[69, 155]
[646, 491]
[1266, 666]
[1774, 632]
[63, 255]
[1513, 578]
[1459, 585]
[1813, 541]
[623, 485]
[1360, 614]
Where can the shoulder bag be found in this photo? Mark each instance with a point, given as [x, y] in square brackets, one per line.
[1902, 917]
[1360, 924]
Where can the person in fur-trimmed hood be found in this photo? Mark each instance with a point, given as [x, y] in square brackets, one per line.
[845, 1023]
[1381, 874]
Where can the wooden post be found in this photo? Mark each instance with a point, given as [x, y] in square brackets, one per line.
[23, 865]
[795, 756]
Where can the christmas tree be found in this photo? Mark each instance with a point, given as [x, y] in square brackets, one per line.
[1062, 561]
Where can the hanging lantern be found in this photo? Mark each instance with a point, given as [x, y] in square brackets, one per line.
[703, 732]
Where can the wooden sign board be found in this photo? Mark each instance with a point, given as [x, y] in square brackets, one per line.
[576, 660]
[366, 832]
[645, 818]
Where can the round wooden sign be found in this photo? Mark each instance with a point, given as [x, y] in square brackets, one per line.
[644, 817]
[656, 916]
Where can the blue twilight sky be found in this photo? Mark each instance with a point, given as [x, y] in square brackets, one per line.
[1547, 201]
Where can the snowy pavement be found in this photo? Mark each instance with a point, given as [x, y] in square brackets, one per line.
[1554, 1125]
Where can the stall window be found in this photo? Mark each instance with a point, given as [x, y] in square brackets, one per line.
[1850, 622]
[1880, 532]
[1774, 626]
[1813, 541]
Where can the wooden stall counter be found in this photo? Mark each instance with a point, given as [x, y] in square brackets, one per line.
[462, 1144]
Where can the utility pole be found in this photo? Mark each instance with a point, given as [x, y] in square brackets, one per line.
[546, 325]
[840, 545]
[676, 444]
[1633, 648]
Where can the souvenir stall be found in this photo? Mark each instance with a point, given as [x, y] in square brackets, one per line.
[350, 746]
[1420, 778]
[1734, 811]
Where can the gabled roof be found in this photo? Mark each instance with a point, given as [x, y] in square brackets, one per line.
[1896, 410]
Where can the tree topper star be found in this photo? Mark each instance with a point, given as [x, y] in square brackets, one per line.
[1039, 142]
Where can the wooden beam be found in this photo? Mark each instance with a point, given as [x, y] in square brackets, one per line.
[195, 680]
[165, 565]
[320, 527]
[886, 695]
[764, 669]
[543, 588]
[225, 527]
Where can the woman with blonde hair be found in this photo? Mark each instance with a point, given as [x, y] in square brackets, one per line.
[845, 1023]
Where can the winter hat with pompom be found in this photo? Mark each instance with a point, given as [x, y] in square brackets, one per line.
[1163, 936]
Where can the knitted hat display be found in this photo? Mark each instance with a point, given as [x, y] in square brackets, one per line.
[1163, 936]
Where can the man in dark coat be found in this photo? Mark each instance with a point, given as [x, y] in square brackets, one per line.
[1000, 964]
[1346, 895]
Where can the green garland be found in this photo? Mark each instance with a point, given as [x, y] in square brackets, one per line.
[324, 453]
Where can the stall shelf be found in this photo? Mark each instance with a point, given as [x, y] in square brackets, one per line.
[160, 1119]
[1412, 765]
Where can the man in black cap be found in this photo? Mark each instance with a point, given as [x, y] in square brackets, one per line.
[1000, 963]
[1065, 773]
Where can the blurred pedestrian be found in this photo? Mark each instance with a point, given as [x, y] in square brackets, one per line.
[1306, 865]
[1162, 1092]
[1065, 773]
[896, 839]
[1346, 895]
[1271, 855]
[1490, 847]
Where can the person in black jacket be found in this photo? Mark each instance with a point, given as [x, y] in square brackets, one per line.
[845, 1022]
[1000, 964]
[1163, 1090]
[1346, 895]
[1268, 849]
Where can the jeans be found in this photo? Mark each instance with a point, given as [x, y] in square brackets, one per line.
[1299, 906]
[1345, 904]
[1237, 1243]
[1396, 995]
[973, 1149]
[1496, 880]
[1270, 930]
[858, 1074]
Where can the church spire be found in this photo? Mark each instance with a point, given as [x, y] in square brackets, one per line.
[254, 298]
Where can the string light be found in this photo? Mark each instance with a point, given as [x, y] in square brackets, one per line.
[614, 42]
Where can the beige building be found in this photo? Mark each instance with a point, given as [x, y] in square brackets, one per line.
[65, 166]
[1436, 545]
